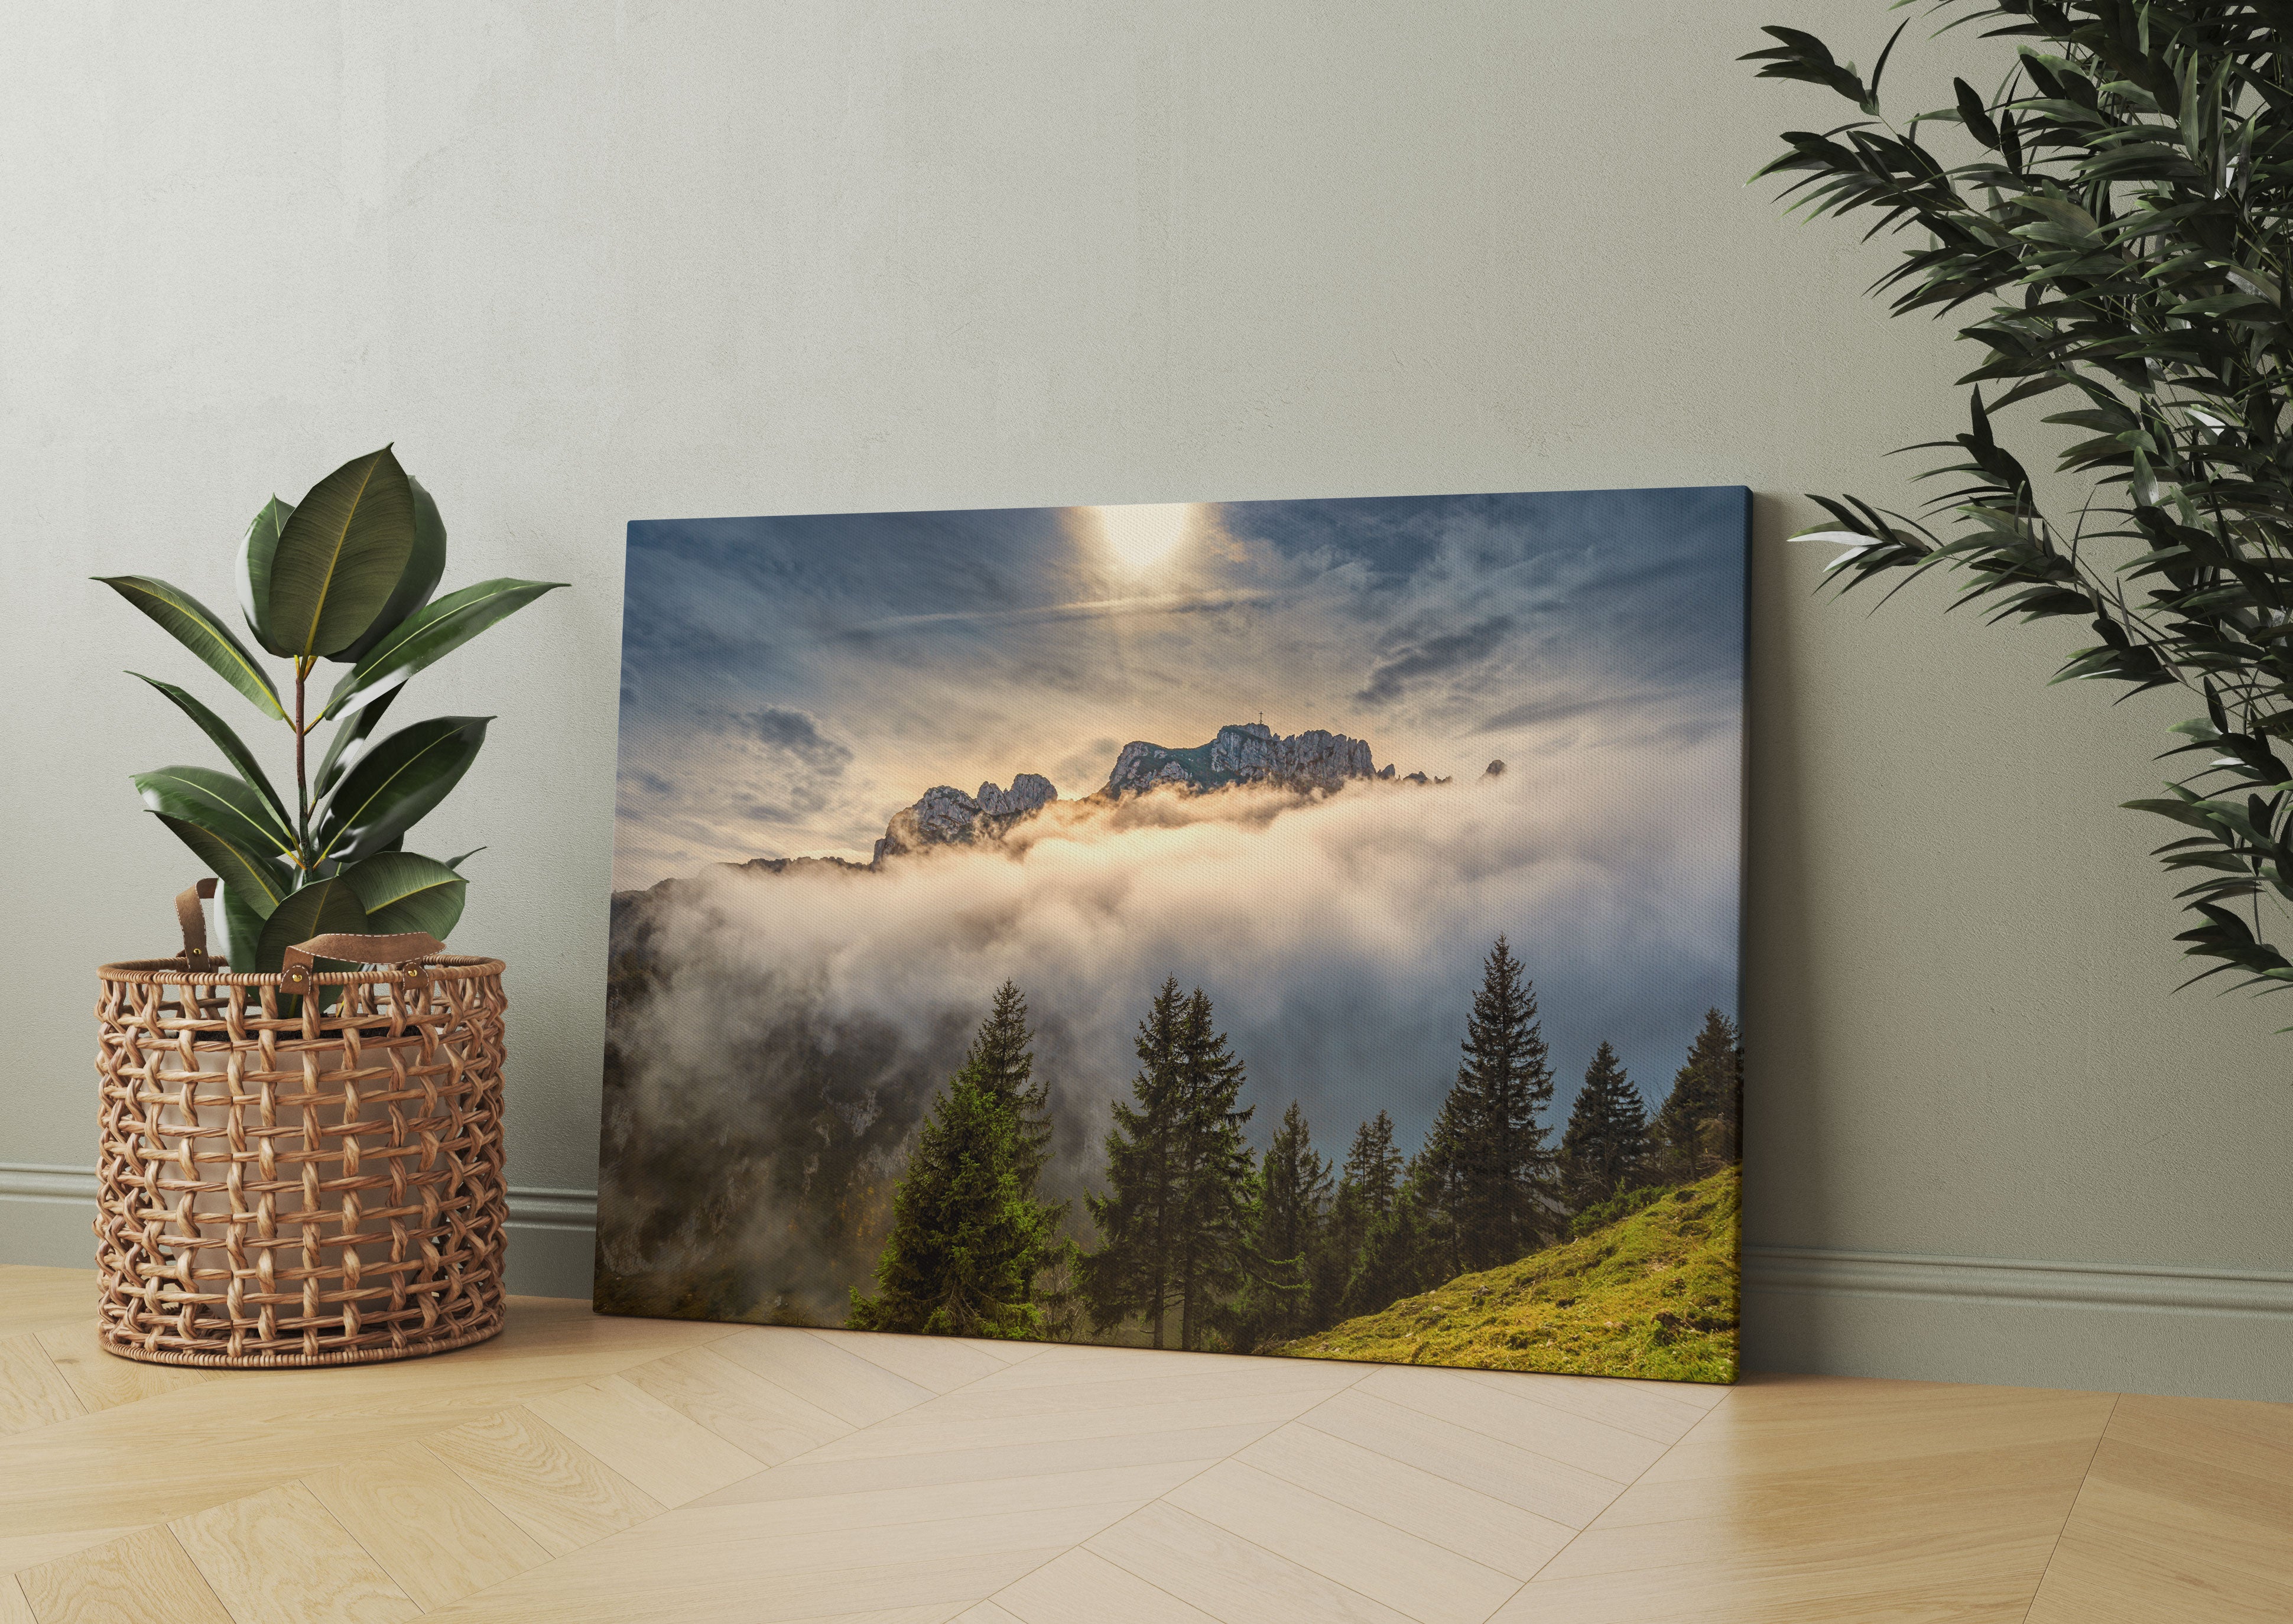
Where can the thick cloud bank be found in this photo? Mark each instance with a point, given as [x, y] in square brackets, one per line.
[778, 1036]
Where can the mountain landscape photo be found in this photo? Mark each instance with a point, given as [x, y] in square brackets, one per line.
[1336, 957]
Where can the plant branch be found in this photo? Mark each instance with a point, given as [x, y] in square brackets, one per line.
[2134, 178]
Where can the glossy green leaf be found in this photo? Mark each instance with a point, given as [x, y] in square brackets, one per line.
[429, 635]
[402, 891]
[395, 784]
[255, 550]
[424, 565]
[215, 800]
[233, 748]
[242, 928]
[456, 863]
[349, 743]
[261, 880]
[196, 627]
[321, 908]
[341, 556]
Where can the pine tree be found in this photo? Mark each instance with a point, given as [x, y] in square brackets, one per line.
[1399, 1253]
[1699, 1127]
[1058, 1287]
[1292, 1197]
[1373, 1167]
[1366, 1186]
[1216, 1172]
[1486, 1171]
[1606, 1144]
[968, 1237]
[1336, 1254]
[1133, 1271]
[1003, 1058]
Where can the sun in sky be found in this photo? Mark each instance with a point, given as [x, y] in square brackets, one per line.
[1142, 536]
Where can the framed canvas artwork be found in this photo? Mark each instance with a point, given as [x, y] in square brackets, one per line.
[1290, 928]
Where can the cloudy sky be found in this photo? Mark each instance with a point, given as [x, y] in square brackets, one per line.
[790, 683]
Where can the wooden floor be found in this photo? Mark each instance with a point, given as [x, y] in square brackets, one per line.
[628, 1470]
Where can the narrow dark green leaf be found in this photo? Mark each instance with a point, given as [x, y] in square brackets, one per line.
[256, 548]
[341, 556]
[1974, 116]
[1870, 103]
[402, 891]
[429, 635]
[233, 748]
[395, 784]
[196, 627]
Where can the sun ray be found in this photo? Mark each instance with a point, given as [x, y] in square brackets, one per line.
[1144, 535]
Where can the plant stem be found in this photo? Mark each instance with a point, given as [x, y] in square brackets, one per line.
[302, 785]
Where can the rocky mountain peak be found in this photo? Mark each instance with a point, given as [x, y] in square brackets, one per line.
[1244, 752]
[1240, 752]
[947, 816]
[1028, 792]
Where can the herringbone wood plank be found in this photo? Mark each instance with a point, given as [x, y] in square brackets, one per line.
[620, 1471]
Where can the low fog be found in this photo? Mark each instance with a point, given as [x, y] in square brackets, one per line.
[778, 1037]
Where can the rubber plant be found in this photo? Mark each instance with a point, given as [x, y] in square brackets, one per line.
[347, 576]
[2110, 224]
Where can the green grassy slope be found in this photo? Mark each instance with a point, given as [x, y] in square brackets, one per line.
[1653, 1296]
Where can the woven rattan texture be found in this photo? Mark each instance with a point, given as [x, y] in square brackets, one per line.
[283, 1184]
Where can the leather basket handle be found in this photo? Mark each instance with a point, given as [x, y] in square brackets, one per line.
[193, 919]
[296, 966]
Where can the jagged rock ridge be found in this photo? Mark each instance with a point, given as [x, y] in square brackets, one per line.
[1241, 753]
[1244, 753]
[947, 816]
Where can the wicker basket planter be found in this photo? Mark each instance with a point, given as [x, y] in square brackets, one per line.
[288, 1184]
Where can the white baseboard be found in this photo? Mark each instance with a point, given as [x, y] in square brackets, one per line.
[2117, 1328]
[1823, 1271]
[2130, 1327]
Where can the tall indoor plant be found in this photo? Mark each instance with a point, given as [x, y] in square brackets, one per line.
[345, 575]
[2114, 218]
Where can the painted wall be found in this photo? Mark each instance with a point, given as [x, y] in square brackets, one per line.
[586, 263]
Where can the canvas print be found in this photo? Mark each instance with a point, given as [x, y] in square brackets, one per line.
[1293, 927]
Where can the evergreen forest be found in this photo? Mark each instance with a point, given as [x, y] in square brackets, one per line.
[1604, 1244]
